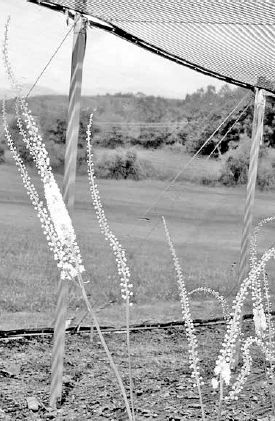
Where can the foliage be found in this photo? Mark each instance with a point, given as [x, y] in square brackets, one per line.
[112, 139]
[176, 147]
[2, 153]
[150, 123]
[21, 147]
[55, 133]
[269, 124]
[266, 174]
[121, 164]
[3, 146]
[236, 164]
[151, 138]
[128, 119]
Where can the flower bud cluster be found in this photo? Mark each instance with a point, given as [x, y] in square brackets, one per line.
[233, 331]
[247, 364]
[33, 139]
[189, 325]
[259, 321]
[218, 297]
[223, 370]
[259, 285]
[261, 313]
[54, 217]
[117, 249]
[233, 328]
[6, 58]
[268, 306]
[256, 288]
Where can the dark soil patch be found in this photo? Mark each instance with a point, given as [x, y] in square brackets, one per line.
[163, 387]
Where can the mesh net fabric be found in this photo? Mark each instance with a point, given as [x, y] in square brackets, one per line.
[233, 40]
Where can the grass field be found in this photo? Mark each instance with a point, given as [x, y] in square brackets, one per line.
[164, 164]
[204, 222]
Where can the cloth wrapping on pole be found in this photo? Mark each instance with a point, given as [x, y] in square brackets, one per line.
[257, 135]
[79, 45]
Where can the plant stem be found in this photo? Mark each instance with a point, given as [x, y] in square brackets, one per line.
[220, 400]
[269, 323]
[112, 363]
[127, 308]
[271, 388]
[200, 396]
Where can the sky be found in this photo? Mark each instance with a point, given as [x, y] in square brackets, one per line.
[111, 64]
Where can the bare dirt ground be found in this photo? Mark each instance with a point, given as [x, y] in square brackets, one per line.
[162, 383]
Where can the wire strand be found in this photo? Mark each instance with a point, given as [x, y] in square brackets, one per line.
[51, 58]
[186, 165]
[229, 130]
[193, 157]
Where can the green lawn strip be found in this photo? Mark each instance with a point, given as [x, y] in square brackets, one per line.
[161, 312]
[205, 223]
[155, 312]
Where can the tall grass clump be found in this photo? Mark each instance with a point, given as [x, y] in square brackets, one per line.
[51, 210]
[120, 164]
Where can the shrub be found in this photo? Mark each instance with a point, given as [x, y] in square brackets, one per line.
[176, 147]
[57, 154]
[209, 179]
[122, 164]
[236, 164]
[2, 153]
[151, 139]
[112, 139]
[235, 168]
[266, 175]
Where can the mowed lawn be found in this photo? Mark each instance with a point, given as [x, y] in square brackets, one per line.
[205, 224]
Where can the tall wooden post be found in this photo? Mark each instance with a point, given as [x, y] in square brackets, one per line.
[257, 135]
[79, 44]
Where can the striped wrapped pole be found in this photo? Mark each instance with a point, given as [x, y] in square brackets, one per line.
[257, 134]
[79, 44]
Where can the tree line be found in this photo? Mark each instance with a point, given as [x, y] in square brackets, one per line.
[136, 120]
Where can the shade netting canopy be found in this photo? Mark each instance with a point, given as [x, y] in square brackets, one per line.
[233, 40]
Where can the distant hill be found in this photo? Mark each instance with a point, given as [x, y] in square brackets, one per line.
[135, 121]
[135, 108]
[130, 125]
[38, 90]
[114, 108]
[149, 121]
